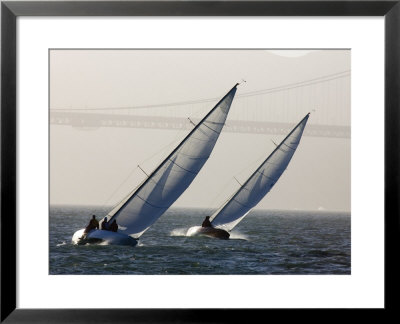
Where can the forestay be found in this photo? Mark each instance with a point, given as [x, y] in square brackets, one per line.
[136, 213]
[260, 182]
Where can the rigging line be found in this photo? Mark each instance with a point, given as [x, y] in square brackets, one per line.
[249, 166]
[143, 170]
[220, 193]
[248, 94]
[222, 206]
[177, 137]
[117, 189]
[138, 166]
[252, 164]
[237, 181]
[126, 197]
[191, 122]
[133, 170]
[165, 147]
[201, 110]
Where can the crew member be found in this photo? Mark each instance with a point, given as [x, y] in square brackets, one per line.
[104, 225]
[206, 222]
[92, 225]
[114, 226]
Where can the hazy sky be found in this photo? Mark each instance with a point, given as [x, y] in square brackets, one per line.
[99, 165]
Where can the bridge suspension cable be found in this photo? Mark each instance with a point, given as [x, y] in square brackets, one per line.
[290, 86]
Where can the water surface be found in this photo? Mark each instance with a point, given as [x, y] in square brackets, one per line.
[265, 242]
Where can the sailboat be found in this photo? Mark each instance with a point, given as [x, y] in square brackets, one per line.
[141, 208]
[253, 189]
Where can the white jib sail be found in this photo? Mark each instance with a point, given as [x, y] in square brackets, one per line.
[260, 182]
[136, 213]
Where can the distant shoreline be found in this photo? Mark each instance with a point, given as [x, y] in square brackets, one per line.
[255, 210]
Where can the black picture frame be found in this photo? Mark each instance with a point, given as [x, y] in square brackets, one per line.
[11, 10]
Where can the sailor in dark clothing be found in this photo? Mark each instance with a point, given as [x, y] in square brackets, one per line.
[206, 222]
[104, 225]
[114, 226]
[92, 225]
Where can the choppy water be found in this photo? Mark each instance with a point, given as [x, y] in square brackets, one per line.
[265, 242]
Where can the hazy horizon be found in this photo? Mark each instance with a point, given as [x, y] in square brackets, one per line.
[202, 208]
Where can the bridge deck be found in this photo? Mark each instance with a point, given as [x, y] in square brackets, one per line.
[85, 120]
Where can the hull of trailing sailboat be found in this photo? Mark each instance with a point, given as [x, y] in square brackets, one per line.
[208, 231]
[102, 237]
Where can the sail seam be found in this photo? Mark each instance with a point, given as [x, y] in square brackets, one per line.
[204, 133]
[293, 149]
[182, 167]
[215, 123]
[270, 163]
[241, 203]
[193, 157]
[199, 139]
[204, 124]
[266, 176]
[283, 150]
[145, 201]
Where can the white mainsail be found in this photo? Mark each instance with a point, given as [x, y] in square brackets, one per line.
[260, 182]
[136, 213]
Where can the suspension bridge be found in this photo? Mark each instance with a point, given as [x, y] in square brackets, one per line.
[272, 111]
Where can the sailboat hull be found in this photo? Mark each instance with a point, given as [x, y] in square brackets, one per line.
[208, 231]
[102, 237]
